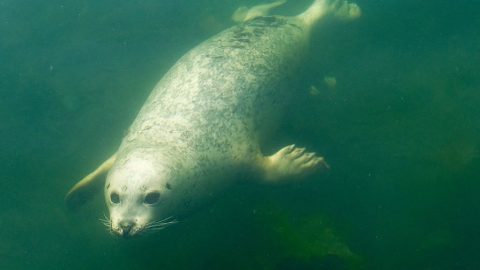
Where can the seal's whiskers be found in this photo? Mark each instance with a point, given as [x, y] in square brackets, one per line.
[160, 224]
[107, 222]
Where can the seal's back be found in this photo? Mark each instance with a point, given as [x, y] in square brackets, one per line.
[224, 94]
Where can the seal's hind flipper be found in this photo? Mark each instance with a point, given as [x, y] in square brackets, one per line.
[243, 14]
[339, 8]
[88, 186]
[290, 162]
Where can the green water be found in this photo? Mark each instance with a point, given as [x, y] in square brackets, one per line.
[401, 131]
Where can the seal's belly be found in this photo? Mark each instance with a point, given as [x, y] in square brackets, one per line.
[221, 95]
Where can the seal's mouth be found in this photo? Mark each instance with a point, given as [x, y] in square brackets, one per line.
[129, 228]
[123, 228]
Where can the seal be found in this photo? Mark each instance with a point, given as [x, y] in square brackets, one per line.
[202, 127]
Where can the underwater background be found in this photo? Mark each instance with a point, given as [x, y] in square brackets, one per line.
[392, 100]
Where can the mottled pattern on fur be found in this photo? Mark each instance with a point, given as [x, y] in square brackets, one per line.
[207, 115]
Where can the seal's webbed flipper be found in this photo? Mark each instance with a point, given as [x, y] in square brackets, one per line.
[290, 162]
[88, 186]
[243, 14]
[339, 8]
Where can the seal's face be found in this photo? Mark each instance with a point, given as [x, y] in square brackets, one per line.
[136, 196]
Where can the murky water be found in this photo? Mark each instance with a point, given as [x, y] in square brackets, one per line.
[392, 101]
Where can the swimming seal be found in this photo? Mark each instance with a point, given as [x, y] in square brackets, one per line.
[204, 122]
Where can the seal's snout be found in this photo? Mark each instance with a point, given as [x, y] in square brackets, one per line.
[126, 227]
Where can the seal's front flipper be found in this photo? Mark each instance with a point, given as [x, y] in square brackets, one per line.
[88, 186]
[290, 162]
[243, 14]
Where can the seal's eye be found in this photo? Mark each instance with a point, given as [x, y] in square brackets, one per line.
[115, 198]
[152, 198]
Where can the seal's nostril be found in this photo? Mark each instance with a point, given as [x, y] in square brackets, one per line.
[126, 227]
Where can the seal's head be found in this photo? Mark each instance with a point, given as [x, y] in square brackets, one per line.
[136, 194]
